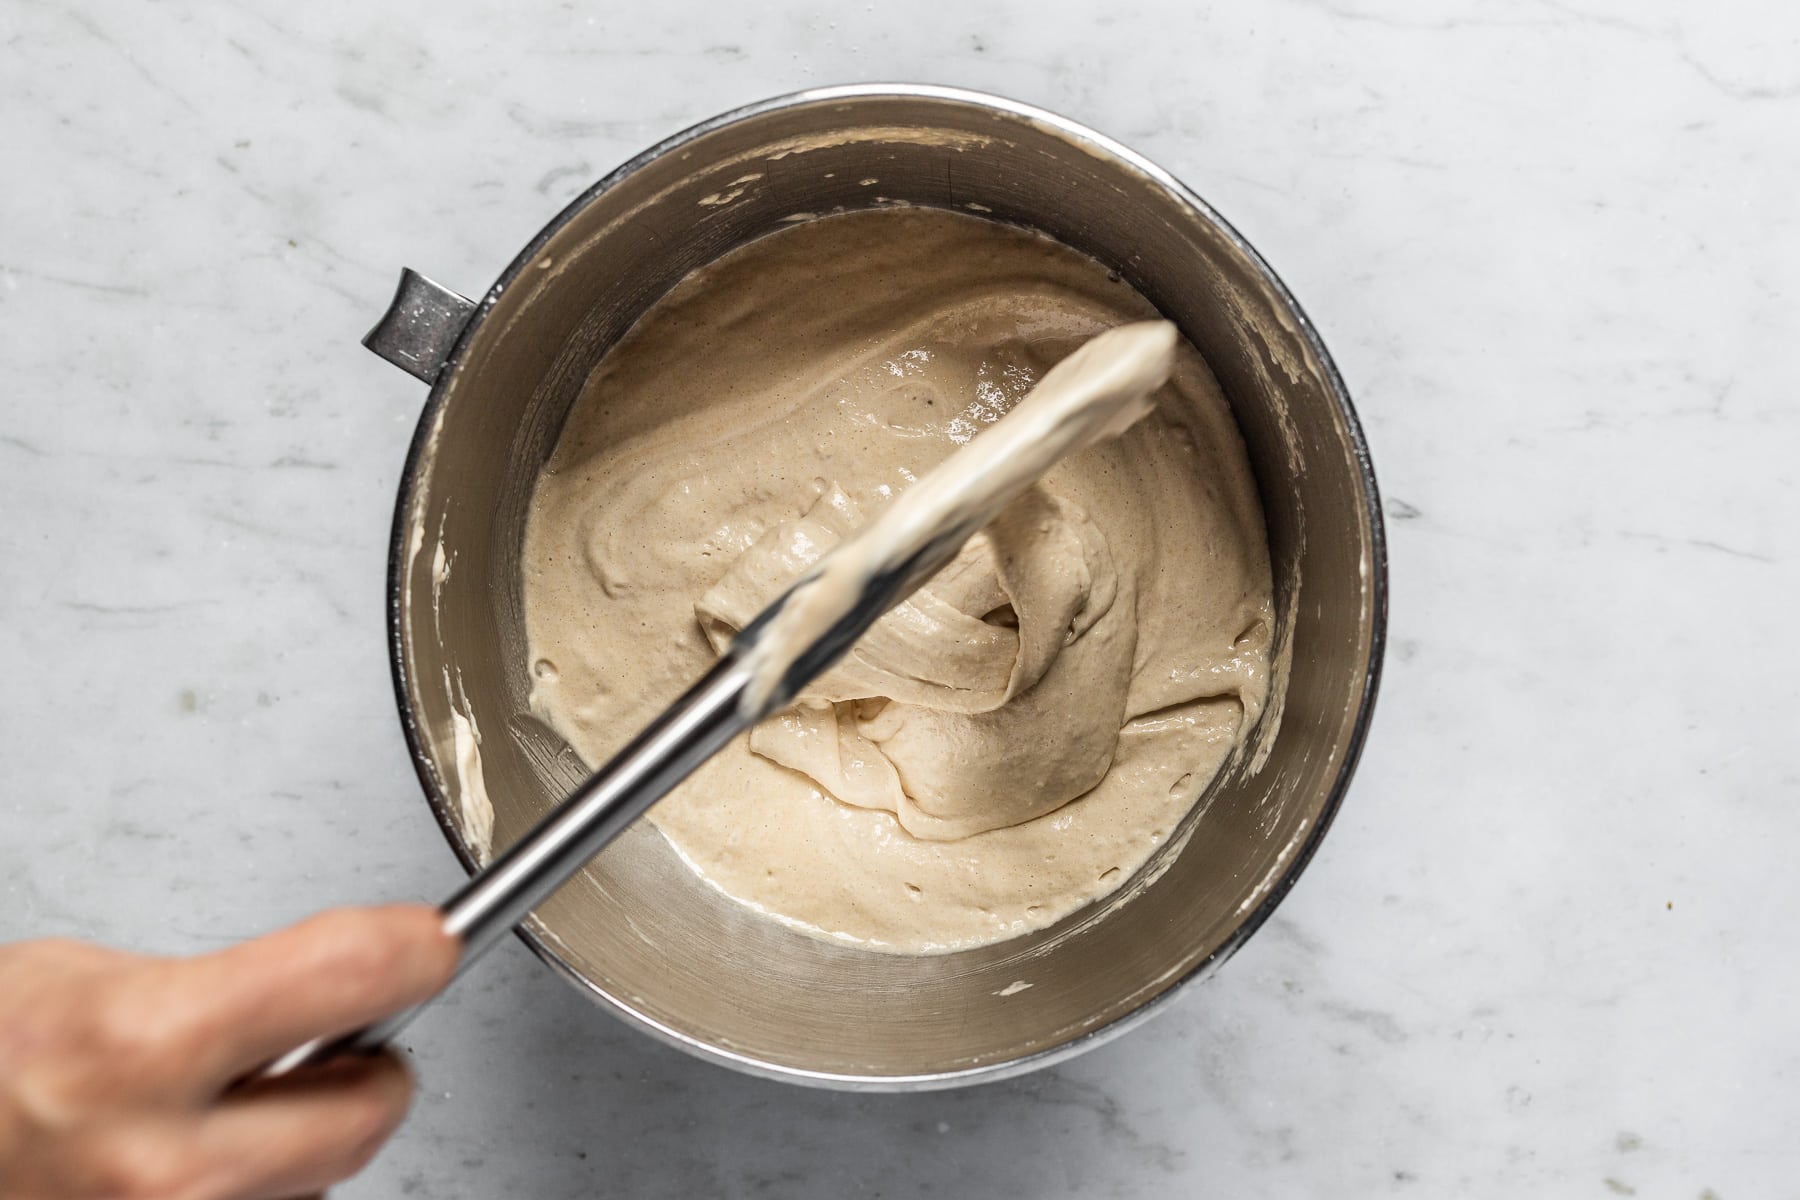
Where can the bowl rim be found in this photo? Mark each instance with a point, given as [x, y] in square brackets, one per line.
[1102, 146]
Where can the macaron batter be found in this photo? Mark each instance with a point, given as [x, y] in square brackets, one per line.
[1015, 740]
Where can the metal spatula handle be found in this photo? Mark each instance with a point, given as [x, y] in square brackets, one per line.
[689, 732]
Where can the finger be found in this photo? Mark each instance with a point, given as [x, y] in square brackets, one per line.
[303, 1132]
[328, 975]
[145, 1154]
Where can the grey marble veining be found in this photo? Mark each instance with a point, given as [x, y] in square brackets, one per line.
[1548, 948]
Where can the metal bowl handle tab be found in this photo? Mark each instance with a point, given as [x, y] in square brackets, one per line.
[420, 326]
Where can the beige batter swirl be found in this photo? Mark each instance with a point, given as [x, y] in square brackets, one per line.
[1011, 743]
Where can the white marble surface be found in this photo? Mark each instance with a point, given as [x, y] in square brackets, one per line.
[1548, 948]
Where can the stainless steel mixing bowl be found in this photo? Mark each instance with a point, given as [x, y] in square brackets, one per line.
[638, 931]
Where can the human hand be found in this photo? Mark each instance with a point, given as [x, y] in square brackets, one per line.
[116, 1069]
